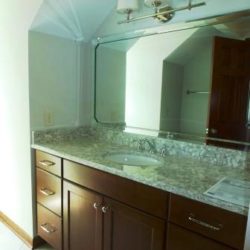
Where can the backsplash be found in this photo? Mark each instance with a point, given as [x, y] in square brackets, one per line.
[62, 134]
[161, 146]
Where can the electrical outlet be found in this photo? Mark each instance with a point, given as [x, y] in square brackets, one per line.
[48, 118]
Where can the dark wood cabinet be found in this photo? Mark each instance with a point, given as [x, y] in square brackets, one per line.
[247, 239]
[102, 211]
[82, 219]
[49, 227]
[49, 191]
[211, 222]
[48, 162]
[148, 199]
[49, 198]
[94, 222]
[181, 239]
[127, 228]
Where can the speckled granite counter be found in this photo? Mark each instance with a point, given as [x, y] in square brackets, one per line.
[179, 175]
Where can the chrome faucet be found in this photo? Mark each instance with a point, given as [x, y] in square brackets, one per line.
[151, 144]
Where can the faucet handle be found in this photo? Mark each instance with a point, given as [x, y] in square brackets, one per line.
[164, 151]
[141, 144]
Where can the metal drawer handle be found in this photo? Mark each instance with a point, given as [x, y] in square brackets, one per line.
[46, 192]
[47, 228]
[105, 209]
[96, 205]
[204, 224]
[46, 163]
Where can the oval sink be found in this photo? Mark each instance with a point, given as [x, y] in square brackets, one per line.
[132, 159]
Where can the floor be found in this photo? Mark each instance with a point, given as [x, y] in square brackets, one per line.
[9, 241]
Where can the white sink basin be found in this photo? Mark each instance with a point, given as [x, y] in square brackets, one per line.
[132, 159]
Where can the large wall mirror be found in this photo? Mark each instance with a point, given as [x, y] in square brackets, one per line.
[191, 81]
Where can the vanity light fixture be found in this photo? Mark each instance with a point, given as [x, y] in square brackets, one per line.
[127, 7]
[162, 9]
[159, 7]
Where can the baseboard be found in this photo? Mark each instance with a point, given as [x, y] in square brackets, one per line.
[19, 232]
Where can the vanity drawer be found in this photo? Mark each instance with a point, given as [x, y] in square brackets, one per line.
[182, 239]
[49, 227]
[49, 191]
[212, 222]
[137, 195]
[49, 162]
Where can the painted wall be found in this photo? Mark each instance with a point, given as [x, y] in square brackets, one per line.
[143, 84]
[181, 112]
[144, 78]
[171, 96]
[15, 179]
[56, 69]
[111, 68]
[197, 77]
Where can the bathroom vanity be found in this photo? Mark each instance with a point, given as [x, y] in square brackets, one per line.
[144, 185]
[87, 202]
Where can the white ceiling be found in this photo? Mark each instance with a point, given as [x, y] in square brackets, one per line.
[83, 20]
[74, 19]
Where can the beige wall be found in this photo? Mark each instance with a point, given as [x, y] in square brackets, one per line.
[54, 81]
[197, 77]
[111, 68]
[15, 179]
[171, 96]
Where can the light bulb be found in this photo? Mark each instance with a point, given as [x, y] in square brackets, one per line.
[125, 6]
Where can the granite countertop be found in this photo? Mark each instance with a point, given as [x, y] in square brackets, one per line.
[179, 175]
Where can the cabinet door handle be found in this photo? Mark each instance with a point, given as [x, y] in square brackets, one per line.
[47, 228]
[204, 224]
[96, 205]
[46, 163]
[105, 209]
[46, 192]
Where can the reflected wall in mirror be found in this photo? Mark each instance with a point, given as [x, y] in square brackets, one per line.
[193, 81]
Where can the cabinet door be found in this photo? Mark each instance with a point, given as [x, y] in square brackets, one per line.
[127, 228]
[82, 219]
[180, 239]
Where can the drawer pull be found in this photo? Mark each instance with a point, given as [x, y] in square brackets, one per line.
[46, 163]
[47, 228]
[105, 209]
[46, 192]
[204, 224]
[96, 206]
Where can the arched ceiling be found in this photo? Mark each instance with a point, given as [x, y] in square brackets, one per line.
[74, 19]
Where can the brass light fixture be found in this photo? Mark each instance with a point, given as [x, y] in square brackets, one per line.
[162, 9]
[159, 7]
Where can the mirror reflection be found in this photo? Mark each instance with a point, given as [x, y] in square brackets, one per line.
[193, 81]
